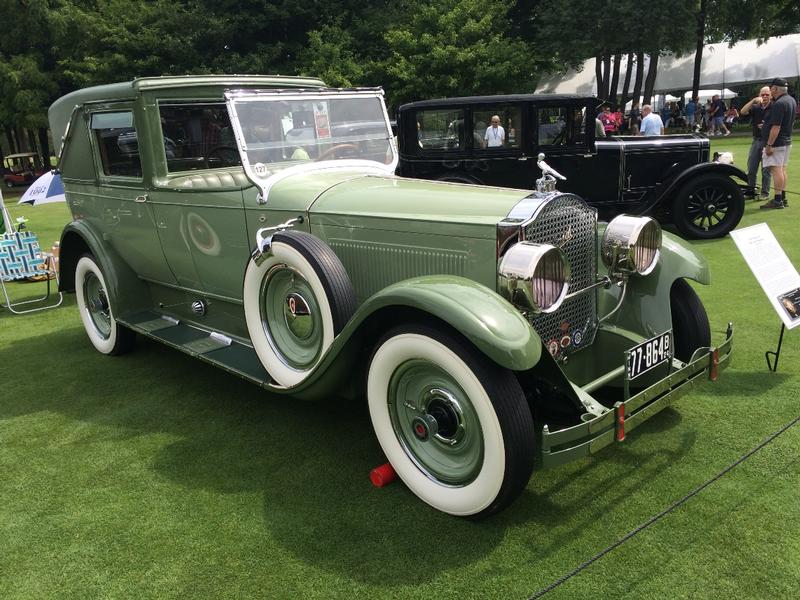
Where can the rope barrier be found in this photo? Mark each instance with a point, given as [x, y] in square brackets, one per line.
[663, 513]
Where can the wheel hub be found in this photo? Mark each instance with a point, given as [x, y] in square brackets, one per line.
[298, 316]
[424, 427]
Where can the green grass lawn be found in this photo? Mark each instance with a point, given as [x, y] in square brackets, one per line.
[155, 475]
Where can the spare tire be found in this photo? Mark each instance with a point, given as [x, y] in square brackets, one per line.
[295, 303]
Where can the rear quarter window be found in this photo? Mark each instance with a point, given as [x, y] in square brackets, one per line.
[117, 143]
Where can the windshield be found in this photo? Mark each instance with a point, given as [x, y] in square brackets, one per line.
[278, 130]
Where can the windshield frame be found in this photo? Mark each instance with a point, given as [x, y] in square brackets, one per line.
[265, 178]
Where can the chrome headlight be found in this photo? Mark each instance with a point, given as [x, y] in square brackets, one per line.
[534, 276]
[631, 245]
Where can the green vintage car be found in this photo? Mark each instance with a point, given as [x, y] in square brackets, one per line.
[256, 223]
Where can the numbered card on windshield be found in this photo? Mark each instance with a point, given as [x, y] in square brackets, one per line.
[649, 354]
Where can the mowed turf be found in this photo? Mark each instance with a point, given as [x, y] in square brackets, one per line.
[155, 475]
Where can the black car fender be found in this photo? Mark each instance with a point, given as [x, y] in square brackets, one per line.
[702, 169]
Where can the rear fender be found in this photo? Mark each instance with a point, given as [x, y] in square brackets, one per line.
[126, 292]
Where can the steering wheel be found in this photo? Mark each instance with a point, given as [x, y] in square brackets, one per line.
[331, 152]
[227, 155]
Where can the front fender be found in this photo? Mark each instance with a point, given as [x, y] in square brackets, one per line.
[701, 169]
[646, 309]
[126, 292]
[481, 315]
[491, 323]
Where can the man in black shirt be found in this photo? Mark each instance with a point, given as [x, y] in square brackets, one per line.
[779, 139]
[757, 109]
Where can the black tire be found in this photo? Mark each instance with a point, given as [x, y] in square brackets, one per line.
[97, 314]
[302, 272]
[690, 326]
[9, 183]
[478, 454]
[708, 206]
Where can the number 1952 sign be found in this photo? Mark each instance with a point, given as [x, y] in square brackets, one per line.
[649, 354]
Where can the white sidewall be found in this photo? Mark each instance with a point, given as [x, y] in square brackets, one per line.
[461, 501]
[273, 362]
[105, 345]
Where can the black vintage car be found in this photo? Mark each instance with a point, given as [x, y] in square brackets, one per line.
[668, 176]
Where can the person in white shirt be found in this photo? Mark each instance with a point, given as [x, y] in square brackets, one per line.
[495, 135]
[651, 122]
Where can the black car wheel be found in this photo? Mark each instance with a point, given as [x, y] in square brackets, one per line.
[708, 206]
[690, 326]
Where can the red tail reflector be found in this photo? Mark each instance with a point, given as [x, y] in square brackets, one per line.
[713, 373]
[620, 409]
[383, 475]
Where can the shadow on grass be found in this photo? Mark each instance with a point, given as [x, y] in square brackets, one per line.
[309, 461]
[749, 383]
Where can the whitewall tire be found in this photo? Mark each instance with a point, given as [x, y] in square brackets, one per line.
[97, 314]
[296, 301]
[455, 427]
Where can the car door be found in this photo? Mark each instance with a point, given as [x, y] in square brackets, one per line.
[118, 204]
[197, 200]
[563, 130]
[497, 148]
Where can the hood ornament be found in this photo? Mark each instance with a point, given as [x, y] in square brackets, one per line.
[547, 182]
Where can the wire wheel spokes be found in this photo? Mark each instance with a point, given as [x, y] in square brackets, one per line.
[707, 207]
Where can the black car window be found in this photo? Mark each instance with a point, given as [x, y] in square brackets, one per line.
[561, 126]
[197, 136]
[117, 143]
[486, 136]
[440, 129]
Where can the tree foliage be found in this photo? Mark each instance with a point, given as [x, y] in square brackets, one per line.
[413, 48]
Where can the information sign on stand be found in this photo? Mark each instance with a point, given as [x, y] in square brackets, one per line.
[775, 273]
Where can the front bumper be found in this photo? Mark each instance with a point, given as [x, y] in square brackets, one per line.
[565, 445]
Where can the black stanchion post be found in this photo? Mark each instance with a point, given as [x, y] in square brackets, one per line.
[776, 354]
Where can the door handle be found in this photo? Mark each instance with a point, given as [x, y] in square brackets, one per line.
[142, 198]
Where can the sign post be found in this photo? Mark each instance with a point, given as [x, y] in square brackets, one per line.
[775, 273]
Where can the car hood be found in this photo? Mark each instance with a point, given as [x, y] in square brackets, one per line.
[352, 199]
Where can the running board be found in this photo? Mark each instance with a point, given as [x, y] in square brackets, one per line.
[209, 346]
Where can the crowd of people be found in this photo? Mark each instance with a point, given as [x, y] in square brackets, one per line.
[772, 114]
[713, 117]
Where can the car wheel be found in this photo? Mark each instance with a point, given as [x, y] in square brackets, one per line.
[97, 314]
[708, 206]
[454, 425]
[9, 183]
[690, 328]
[295, 303]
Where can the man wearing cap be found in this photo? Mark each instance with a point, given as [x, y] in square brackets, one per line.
[778, 132]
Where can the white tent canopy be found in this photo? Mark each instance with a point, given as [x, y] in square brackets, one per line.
[744, 63]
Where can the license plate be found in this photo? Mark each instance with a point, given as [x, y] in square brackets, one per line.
[649, 354]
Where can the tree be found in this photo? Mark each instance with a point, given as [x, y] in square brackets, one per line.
[455, 48]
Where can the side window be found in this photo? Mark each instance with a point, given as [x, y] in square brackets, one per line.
[561, 126]
[117, 143]
[440, 129]
[197, 136]
[496, 127]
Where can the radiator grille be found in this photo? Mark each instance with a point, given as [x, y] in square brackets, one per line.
[569, 223]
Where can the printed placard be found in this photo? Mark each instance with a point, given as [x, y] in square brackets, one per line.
[772, 268]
